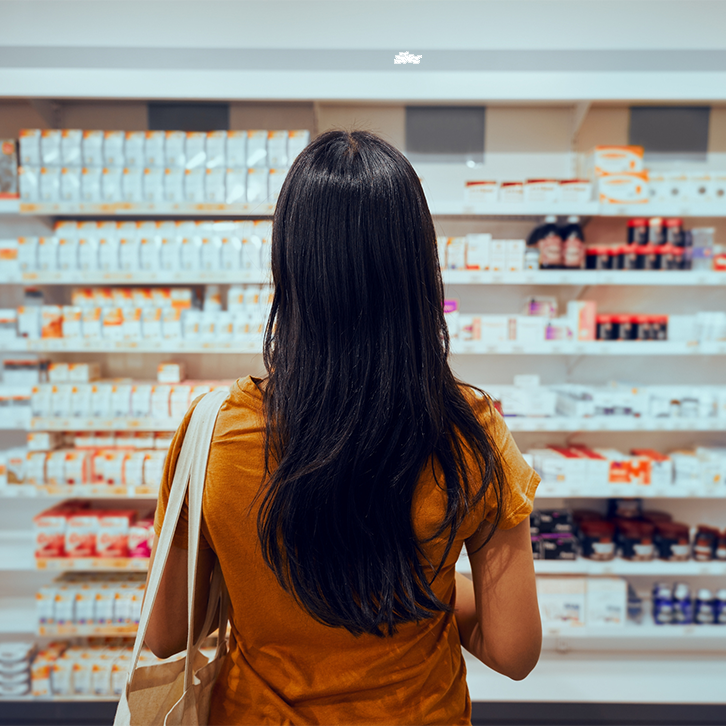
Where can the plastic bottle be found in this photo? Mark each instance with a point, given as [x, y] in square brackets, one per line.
[546, 237]
[573, 244]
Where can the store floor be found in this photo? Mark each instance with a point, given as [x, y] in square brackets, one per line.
[483, 714]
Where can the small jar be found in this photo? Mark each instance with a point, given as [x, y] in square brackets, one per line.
[627, 257]
[673, 232]
[721, 545]
[642, 327]
[704, 543]
[656, 231]
[598, 258]
[622, 327]
[605, 328]
[648, 257]
[597, 539]
[672, 541]
[635, 540]
[637, 231]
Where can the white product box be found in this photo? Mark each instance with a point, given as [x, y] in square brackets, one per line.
[150, 253]
[682, 328]
[132, 323]
[132, 184]
[174, 184]
[575, 191]
[274, 183]
[93, 148]
[542, 190]
[70, 184]
[481, 192]
[174, 149]
[514, 255]
[50, 147]
[257, 190]
[50, 183]
[297, 140]
[607, 602]
[153, 184]
[529, 328]
[72, 317]
[67, 253]
[30, 147]
[113, 148]
[494, 328]
[112, 323]
[179, 400]
[456, 253]
[43, 440]
[624, 188]
[237, 149]
[194, 184]
[214, 185]
[28, 253]
[129, 253]
[108, 252]
[170, 372]
[29, 322]
[211, 253]
[171, 324]
[498, 255]
[134, 149]
[80, 400]
[111, 183]
[511, 192]
[83, 372]
[160, 401]
[191, 253]
[477, 251]
[562, 602]
[154, 149]
[91, 188]
[40, 401]
[8, 325]
[92, 323]
[141, 400]
[277, 149]
[151, 323]
[29, 181]
[236, 186]
[614, 160]
[101, 400]
[47, 253]
[216, 147]
[60, 404]
[121, 399]
[196, 150]
[257, 154]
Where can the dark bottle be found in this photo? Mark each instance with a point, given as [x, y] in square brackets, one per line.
[573, 244]
[546, 237]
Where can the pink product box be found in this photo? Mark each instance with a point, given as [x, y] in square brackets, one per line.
[141, 538]
[113, 533]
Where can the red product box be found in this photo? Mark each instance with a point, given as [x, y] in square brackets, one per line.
[50, 532]
[113, 532]
[82, 534]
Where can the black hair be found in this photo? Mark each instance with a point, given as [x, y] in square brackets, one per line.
[359, 396]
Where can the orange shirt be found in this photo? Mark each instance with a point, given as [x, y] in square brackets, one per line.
[284, 667]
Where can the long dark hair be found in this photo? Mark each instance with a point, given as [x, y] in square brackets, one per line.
[359, 397]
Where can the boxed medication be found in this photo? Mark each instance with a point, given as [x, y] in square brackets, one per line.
[50, 147]
[214, 185]
[174, 184]
[30, 147]
[134, 149]
[153, 184]
[297, 140]
[562, 601]
[174, 149]
[111, 183]
[277, 149]
[575, 190]
[50, 183]
[542, 190]
[154, 154]
[606, 602]
[477, 251]
[614, 160]
[511, 192]
[481, 192]
[29, 183]
[113, 148]
[216, 148]
[91, 184]
[132, 184]
[623, 188]
[257, 188]
[237, 149]
[196, 150]
[70, 184]
[92, 148]
[257, 154]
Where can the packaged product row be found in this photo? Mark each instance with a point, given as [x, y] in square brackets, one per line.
[574, 191]
[80, 598]
[142, 314]
[626, 531]
[527, 397]
[174, 149]
[703, 467]
[676, 604]
[109, 185]
[75, 529]
[136, 246]
[126, 464]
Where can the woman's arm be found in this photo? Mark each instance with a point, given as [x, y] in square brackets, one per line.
[497, 612]
[167, 633]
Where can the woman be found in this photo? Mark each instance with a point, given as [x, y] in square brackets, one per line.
[342, 487]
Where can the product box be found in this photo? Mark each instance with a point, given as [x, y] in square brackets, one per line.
[113, 148]
[575, 191]
[174, 184]
[494, 328]
[196, 149]
[274, 183]
[216, 149]
[30, 147]
[171, 372]
[614, 160]
[456, 253]
[514, 255]
[607, 602]
[237, 149]
[481, 192]
[91, 190]
[132, 184]
[257, 154]
[562, 602]
[92, 148]
[81, 535]
[257, 180]
[661, 467]
[582, 313]
[623, 188]
[297, 140]
[214, 185]
[174, 149]
[113, 533]
[51, 317]
[498, 255]
[194, 184]
[154, 149]
[134, 149]
[477, 251]
[511, 192]
[70, 184]
[153, 184]
[111, 183]
[50, 183]
[528, 328]
[8, 169]
[542, 190]
[277, 150]
[50, 147]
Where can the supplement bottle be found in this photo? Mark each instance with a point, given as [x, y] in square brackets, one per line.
[704, 608]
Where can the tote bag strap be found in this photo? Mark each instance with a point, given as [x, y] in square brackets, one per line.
[202, 420]
[196, 492]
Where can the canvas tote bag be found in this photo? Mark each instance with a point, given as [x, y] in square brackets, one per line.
[178, 692]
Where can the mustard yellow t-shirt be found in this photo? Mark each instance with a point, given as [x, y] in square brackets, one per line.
[284, 667]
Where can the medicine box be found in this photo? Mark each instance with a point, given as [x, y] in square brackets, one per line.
[562, 602]
[614, 160]
[607, 602]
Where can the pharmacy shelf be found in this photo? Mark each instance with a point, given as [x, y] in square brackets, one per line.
[140, 277]
[107, 424]
[252, 347]
[17, 615]
[582, 566]
[575, 491]
[92, 564]
[102, 345]
[71, 631]
[664, 278]
[613, 423]
[85, 491]
[140, 209]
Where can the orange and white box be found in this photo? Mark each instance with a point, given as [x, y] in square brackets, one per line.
[70, 184]
[141, 400]
[575, 191]
[179, 400]
[153, 184]
[113, 323]
[55, 464]
[113, 532]
[194, 184]
[481, 192]
[498, 255]
[58, 372]
[153, 468]
[174, 149]
[77, 468]
[92, 323]
[60, 405]
[514, 255]
[274, 183]
[160, 401]
[542, 190]
[151, 323]
[30, 147]
[297, 140]
[91, 190]
[43, 440]
[614, 160]
[35, 468]
[132, 329]
[134, 149]
[170, 372]
[171, 324]
[28, 253]
[216, 150]
[67, 251]
[108, 251]
[72, 147]
[174, 184]
[277, 150]
[71, 324]
[257, 154]
[456, 253]
[134, 469]
[154, 149]
[83, 372]
[113, 468]
[50, 529]
[257, 187]
[113, 148]
[625, 469]
[50, 147]
[624, 188]
[195, 149]
[101, 400]
[511, 192]
[121, 399]
[47, 253]
[111, 183]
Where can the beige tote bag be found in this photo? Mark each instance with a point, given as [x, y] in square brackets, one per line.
[178, 693]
